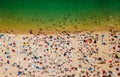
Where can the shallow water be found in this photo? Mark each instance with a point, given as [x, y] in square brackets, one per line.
[24, 15]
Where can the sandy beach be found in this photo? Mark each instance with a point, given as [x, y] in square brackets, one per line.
[59, 38]
[83, 54]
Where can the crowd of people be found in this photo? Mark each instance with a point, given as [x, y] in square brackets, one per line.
[85, 54]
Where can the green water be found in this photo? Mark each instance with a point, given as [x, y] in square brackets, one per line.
[14, 12]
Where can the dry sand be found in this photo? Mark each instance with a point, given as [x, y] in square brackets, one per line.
[40, 55]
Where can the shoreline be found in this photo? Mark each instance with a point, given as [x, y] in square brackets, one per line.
[57, 30]
[38, 32]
